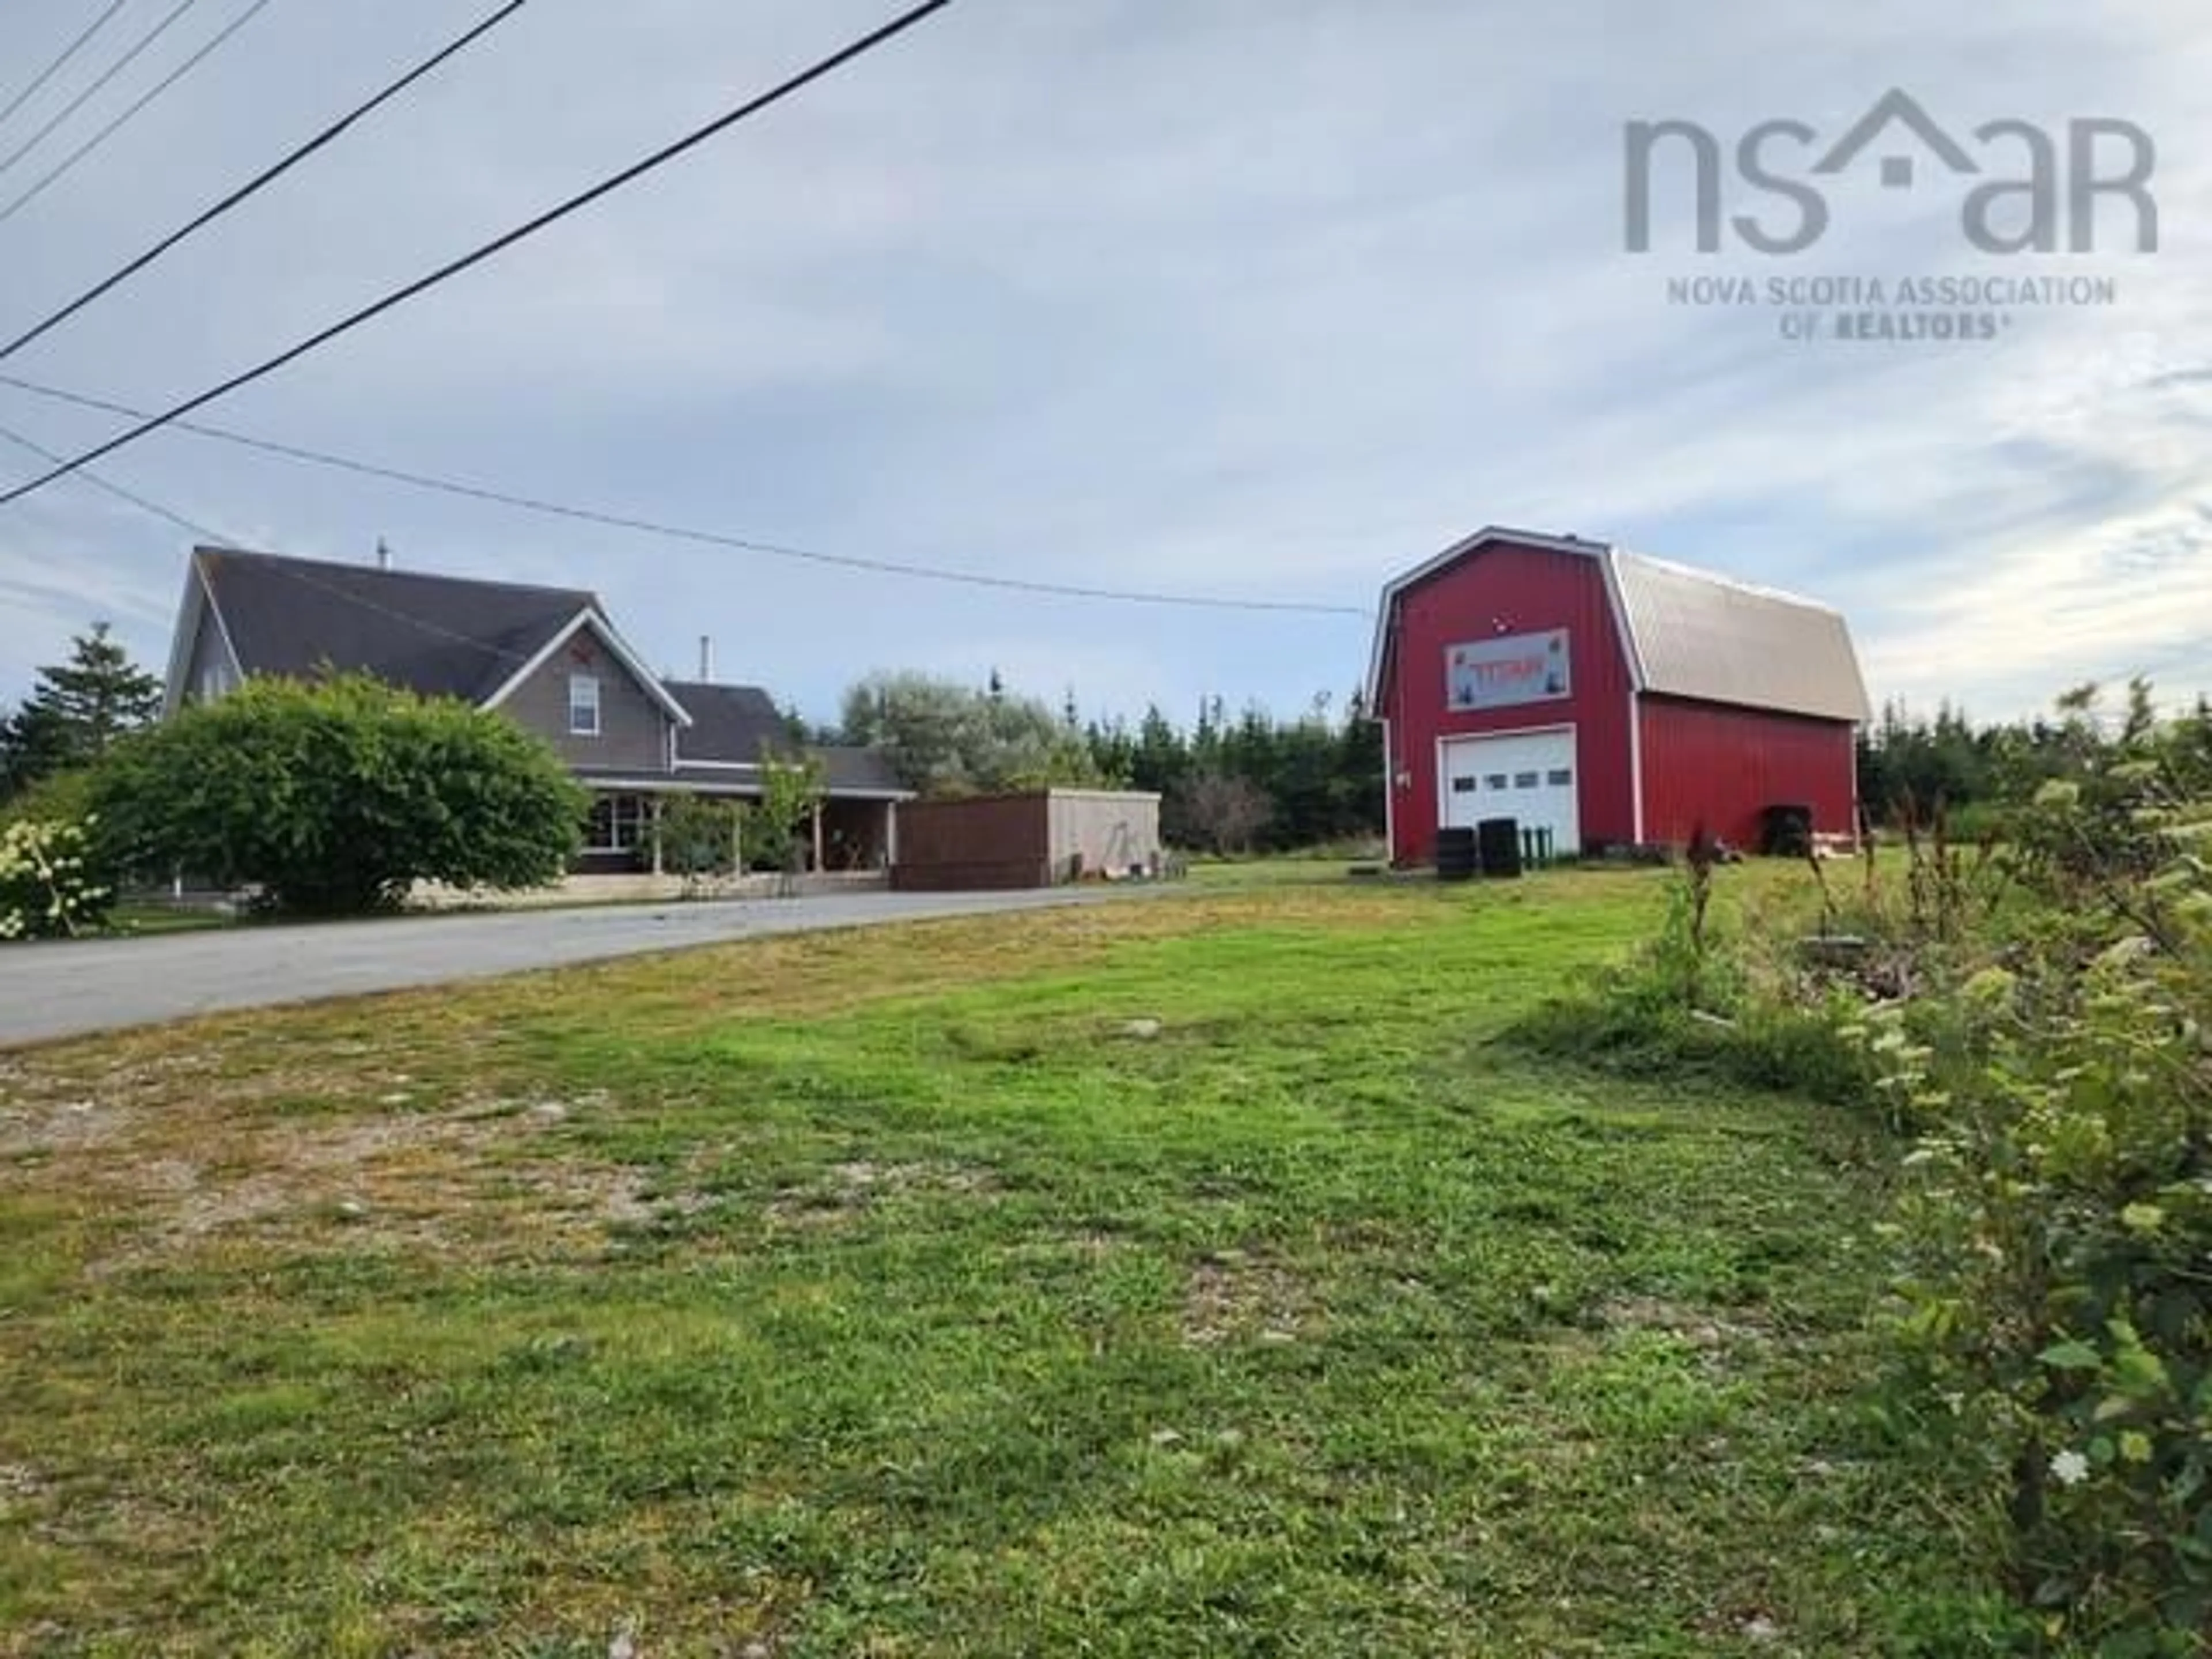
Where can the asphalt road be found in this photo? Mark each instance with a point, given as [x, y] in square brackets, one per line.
[68, 988]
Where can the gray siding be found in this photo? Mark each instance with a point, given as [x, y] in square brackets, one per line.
[633, 726]
[208, 654]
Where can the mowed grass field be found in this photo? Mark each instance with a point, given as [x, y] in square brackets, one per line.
[909, 1292]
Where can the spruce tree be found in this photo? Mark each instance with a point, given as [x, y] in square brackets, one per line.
[76, 710]
[32, 745]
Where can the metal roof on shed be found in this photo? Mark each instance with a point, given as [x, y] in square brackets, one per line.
[1688, 633]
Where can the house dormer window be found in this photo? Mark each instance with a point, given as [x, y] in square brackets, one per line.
[584, 705]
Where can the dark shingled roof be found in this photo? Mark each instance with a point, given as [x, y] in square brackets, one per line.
[440, 635]
[847, 768]
[728, 722]
[734, 722]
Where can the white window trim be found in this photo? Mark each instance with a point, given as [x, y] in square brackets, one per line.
[613, 802]
[577, 680]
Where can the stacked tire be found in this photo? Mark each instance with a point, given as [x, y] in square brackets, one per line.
[1457, 857]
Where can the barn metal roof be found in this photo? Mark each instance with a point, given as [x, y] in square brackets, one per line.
[1697, 635]
[1688, 633]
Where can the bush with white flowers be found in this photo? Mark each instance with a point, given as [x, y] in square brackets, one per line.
[48, 885]
[2035, 1025]
[2056, 1296]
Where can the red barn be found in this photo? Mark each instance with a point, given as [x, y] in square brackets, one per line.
[1610, 698]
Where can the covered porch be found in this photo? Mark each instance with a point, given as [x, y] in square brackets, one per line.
[626, 832]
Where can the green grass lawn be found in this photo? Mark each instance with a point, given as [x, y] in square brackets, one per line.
[901, 1292]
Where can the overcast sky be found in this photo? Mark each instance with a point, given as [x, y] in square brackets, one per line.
[1258, 298]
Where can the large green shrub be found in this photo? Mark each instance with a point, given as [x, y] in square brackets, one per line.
[336, 795]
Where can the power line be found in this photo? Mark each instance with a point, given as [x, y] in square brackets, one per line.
[613, 521]
[284, 568]
[251, 186]
[453, 268]
[68, 163]
[144, 504]
[85, 96]
[68, 52]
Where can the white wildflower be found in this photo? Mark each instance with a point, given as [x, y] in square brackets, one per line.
[2070, 1468]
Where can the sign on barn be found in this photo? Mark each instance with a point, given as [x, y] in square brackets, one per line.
[1503, 672]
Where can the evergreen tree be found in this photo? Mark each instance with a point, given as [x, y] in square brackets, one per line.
[1257, 783]
[99, 694]
[76, 711]
[34, 745]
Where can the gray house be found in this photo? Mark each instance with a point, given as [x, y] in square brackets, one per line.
[550, 659]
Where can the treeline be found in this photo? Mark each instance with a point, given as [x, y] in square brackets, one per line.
[1253, 783]
[1915, 763]
[1242, 784]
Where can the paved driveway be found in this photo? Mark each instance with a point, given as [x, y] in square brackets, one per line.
[65, 988]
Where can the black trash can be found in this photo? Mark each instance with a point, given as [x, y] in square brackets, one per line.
[1498, 846]
[1455, 854]
[1785, 831]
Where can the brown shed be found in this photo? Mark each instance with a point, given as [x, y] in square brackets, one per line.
[1037, 839]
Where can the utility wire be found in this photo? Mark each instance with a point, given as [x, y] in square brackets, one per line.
[681, 532]
[281, 567]
[68, 163]
[144, 504]
[68, 52]
[251, 186]
[453, 268]
[85, 97]
[288, 567]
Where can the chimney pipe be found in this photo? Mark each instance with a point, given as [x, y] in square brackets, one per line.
[706, 659]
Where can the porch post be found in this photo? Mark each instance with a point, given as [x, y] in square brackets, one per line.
[890, 833]
[818, 837]
[738, 838]
[655, 799]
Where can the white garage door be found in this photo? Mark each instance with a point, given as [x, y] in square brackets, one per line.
[1528, 775]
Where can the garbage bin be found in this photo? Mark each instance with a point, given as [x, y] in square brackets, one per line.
[1785, 831]
[1455, 853]
[1498, 846]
